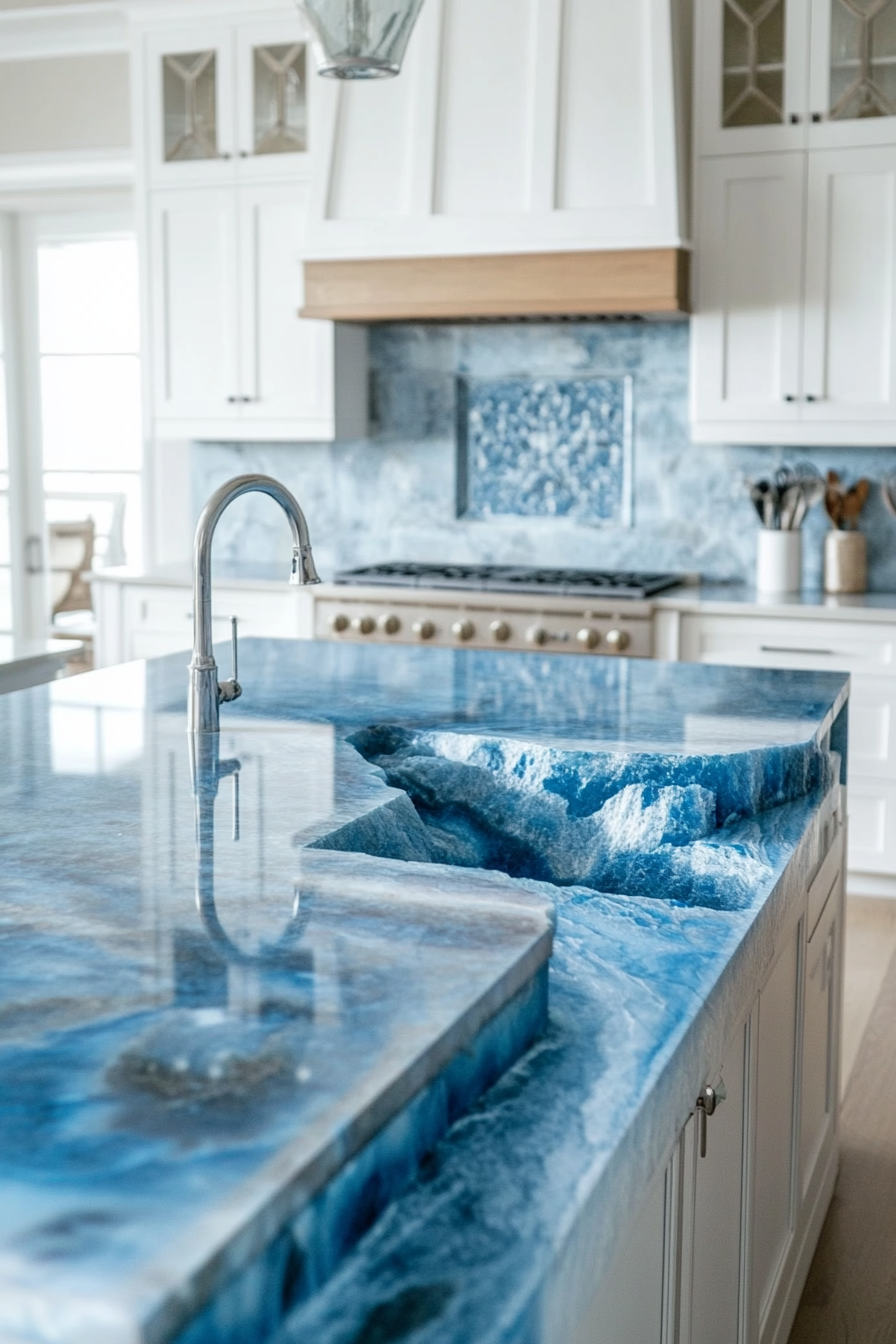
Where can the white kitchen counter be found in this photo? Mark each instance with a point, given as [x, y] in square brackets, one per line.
[31, 662]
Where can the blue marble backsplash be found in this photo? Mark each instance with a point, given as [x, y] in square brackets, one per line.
[403, 493]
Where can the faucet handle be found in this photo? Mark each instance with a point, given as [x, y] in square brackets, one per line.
[231, 690]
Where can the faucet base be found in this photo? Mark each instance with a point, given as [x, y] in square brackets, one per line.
[202, 708]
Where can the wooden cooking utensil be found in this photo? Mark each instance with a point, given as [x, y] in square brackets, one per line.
[854, 502]
[833, 499]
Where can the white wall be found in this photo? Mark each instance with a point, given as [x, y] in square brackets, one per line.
[64, 104]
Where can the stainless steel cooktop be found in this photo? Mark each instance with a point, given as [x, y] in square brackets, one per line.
[512, 579]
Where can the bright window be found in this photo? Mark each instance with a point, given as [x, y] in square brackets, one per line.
[5, 557]
[90, 389]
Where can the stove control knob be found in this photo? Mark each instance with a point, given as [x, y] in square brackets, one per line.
[618, 640]
[588, 637]
[463, 630]
[423, 629]
[338, 623]
[390, 625]
[500, 631]
[536, 634]
[363, 625]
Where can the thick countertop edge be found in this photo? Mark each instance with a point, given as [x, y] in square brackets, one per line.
[279, 1191]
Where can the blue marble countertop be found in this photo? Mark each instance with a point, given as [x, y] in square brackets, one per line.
[668, 812]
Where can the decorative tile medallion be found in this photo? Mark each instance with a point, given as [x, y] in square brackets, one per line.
[545, 447]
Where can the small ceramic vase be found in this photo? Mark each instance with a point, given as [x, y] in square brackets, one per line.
[779, 562]
[845, 562]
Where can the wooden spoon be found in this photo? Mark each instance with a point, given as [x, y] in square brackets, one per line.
[833, 499]
[854, 502]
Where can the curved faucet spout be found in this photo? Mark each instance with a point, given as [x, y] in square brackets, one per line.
[206, 693]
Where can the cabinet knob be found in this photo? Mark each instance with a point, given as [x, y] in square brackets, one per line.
[816, 117]
[423, 629]
[619, 640]
[363, 625]
[463, 630]
[795, 118]
[789, 396]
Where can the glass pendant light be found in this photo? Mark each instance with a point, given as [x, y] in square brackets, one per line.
[360, 39]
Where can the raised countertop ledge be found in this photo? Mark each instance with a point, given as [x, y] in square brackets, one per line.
[712, 783]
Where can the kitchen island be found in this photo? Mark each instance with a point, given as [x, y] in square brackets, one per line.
[681, 821]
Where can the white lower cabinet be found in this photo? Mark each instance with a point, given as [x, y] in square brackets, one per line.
[866, 650]
[629, 1307]
[713, 1211]
[720, 1247]
[137, 620]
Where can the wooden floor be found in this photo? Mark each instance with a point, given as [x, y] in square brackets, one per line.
[850, 1295]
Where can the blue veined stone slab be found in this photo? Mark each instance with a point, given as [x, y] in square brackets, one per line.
[545, 447]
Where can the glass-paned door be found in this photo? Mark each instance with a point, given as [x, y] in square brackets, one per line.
[280, 110]
[863, 59]
[189, 105]
[91, 422]
[751, 75]
[753, 62]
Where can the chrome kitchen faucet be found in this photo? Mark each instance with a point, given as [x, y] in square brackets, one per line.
[206, 692]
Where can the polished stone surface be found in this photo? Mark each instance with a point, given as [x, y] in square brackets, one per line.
[168, 1069]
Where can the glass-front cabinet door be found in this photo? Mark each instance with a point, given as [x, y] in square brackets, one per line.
[752, 75]
[226, 103]
[275, 77]
[853, 80]
[190, 120]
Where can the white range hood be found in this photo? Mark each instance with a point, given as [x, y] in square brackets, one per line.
[550, 134]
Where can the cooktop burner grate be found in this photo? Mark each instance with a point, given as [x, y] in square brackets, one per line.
[512, 579]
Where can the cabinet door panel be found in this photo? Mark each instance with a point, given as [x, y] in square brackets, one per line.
[773, 1193]
[852, 85]
[751, 80]
[746, 332]
[276, 86]
[718, 1183]
[189, 106]
[872, 826]
[850, 353]
[823, 646]
[194, 303]
[628, 1306]
[287, 360]
[818, 1090]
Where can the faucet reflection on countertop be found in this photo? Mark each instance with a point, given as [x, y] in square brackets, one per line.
[206, 692]
[285, 954]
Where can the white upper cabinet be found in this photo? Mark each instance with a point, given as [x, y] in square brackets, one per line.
[516, 125]
[748, 289]
[795, 223]
[791, 74]
[849, 350]
[227, 102]
[226, 114]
